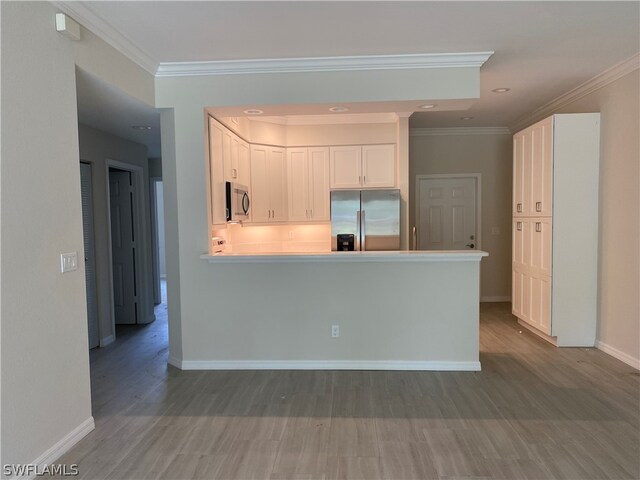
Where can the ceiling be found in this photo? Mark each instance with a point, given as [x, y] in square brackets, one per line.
[542, 49]
[107, 108]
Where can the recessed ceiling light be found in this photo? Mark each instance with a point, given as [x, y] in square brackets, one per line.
[338, 109]
[253, 111]
[141, 127]
[466, 118]
[427, 106]
[500, 90]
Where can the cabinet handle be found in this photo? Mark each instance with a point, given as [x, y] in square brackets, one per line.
[519, 226]
[538, 226]
[364, 179]
[538, 206]
[311, 213]
[519, 207]
[360, 179]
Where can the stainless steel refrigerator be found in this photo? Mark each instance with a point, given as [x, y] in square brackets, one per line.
[365, 220]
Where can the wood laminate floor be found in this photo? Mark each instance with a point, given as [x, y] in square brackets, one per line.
[534, 412]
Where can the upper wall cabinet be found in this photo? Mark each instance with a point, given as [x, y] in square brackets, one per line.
[235, 156]
[216, 186]
[268, 184]
[368, 166]
[308, 183]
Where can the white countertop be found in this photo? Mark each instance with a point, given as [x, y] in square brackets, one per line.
[385, 256]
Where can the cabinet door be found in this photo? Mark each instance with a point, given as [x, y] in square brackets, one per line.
[216, 174]
[226, 155]
[378, 166]
[518, 243]
[277, 177]
[298, 184]
[541, 169]
[522, 172]
[260, 210]
[518, 173]
[346, 167]
[525, 310]
[516, 292]
[541, 303]
[541, 234]
[244, 164]
[319, 206]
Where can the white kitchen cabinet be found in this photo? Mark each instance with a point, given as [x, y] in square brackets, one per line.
[363, 166]
[235, 157]
[268, 184]
[346, 167]
[308, 183]
[244, 164]
[378, 166]
[555, 227]
[216, 186]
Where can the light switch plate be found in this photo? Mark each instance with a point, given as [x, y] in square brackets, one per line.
[495, 230]
[68, 262]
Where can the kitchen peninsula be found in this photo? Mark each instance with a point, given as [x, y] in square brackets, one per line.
[410, 310]
[281, 297]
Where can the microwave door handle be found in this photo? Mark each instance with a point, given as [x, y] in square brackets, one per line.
[245, 203]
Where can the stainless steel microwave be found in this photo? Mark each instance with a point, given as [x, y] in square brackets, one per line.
[237, 202]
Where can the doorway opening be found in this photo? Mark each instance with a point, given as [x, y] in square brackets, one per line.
[448, 212]
[127, 247]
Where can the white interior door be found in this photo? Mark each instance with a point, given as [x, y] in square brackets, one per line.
[89, 254]
[446, 213]
[123, 247]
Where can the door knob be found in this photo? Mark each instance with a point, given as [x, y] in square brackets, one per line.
[470, 245]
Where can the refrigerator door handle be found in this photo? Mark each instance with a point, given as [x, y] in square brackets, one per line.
[415, 239]
[358, 231]
[363, 233]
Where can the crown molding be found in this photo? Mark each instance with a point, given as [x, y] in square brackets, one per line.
[323, 64]
[599, 81]
[430, 132]
[334, 119]
[84, 15]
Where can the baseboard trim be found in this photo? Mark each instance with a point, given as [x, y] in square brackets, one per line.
[63, 445]
[176, 362]
[107, 340]
[325, 365]
[505, 298]
[552, 340]
[618, 354]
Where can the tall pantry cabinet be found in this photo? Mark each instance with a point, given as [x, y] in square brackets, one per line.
[555, 227]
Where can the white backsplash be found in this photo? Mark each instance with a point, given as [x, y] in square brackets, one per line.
[277, 238]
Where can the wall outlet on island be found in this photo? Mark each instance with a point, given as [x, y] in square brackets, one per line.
[335, 331]
[292, 235]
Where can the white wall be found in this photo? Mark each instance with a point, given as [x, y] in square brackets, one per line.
[45, 375]
[162, 267]
[96, 147]
[45, 358]
[490, 155]
[619, 250]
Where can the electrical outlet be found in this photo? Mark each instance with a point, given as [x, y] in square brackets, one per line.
[292, 235]
[495, 230]
[335, 331]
